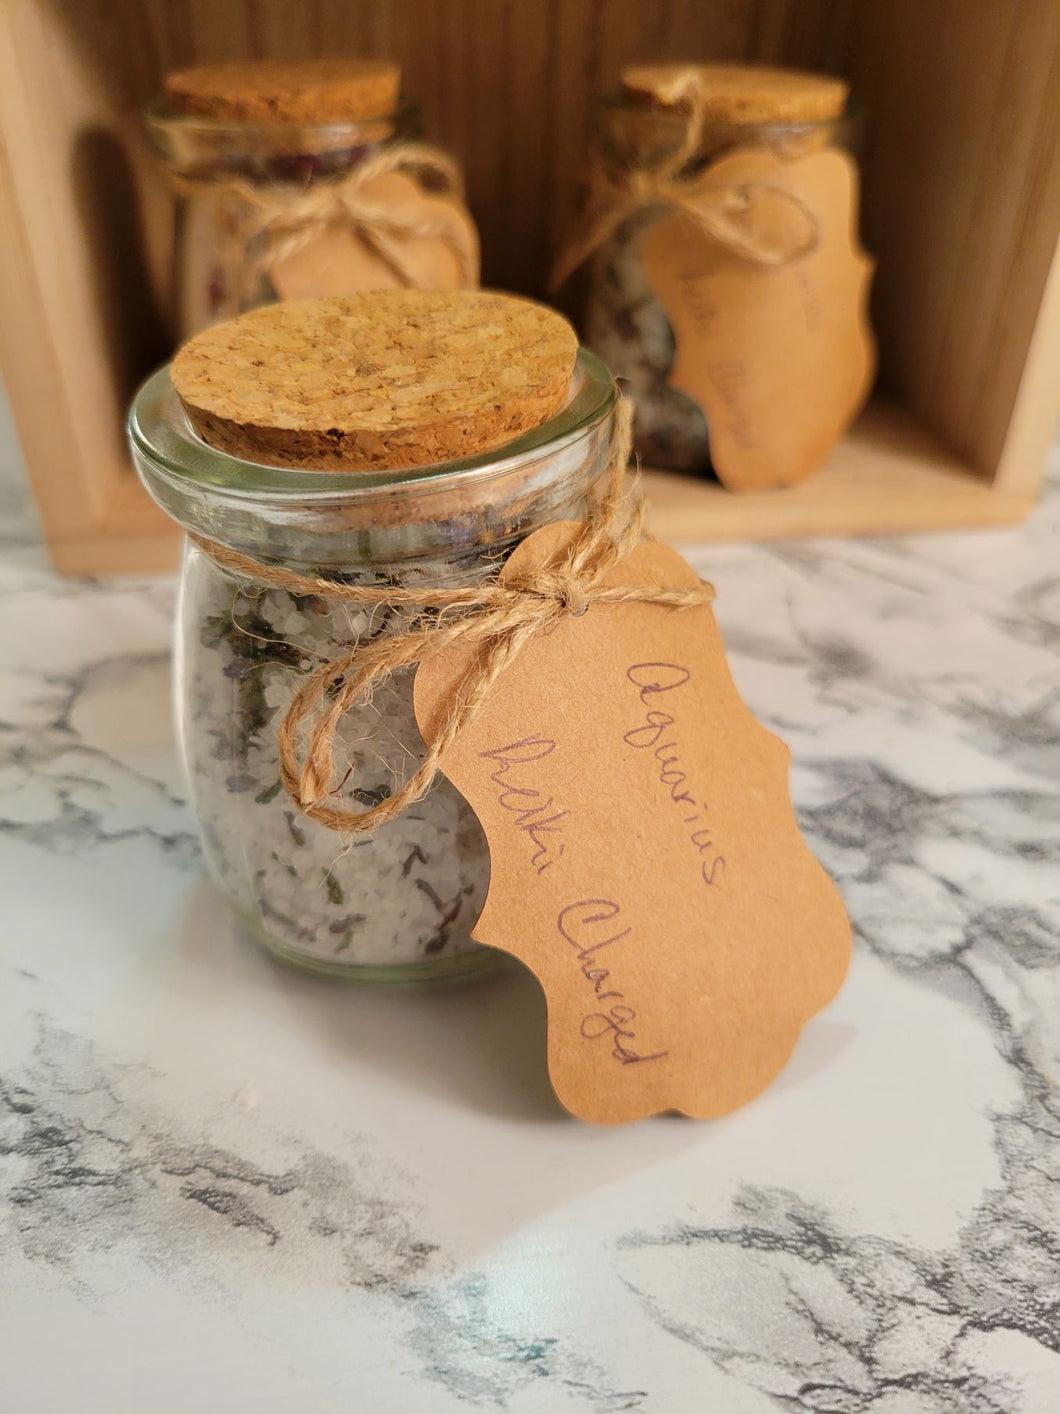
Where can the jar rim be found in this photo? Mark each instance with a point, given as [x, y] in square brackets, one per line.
[164, 440]
[618, 101]
[162, 120]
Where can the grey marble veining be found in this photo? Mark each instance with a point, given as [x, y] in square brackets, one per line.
[226, 1186]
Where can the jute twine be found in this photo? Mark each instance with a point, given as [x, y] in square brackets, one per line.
[724, 210]
[495, 618]
[261, 225]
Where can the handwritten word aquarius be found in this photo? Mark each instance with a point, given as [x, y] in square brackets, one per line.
[534, 816]
[652, 680]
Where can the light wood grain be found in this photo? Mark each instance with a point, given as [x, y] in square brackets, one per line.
[78, 327]
[1033, 422]
[888, 475]
[962, 206]
[117, 554]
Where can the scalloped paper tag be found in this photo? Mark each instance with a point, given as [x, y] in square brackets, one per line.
[779, 357]
[645, 860]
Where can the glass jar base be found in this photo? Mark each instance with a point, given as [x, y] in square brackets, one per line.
[431, 972]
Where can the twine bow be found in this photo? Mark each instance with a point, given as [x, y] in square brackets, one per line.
[496, 618]
[726, 211]
[266, 224]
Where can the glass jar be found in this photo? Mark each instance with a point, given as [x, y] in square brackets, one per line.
[251, 229]
[619, 316]
[397, 905]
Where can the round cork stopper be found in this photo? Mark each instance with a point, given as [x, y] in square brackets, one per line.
[741, 93]
[286, 90]
[377, 380]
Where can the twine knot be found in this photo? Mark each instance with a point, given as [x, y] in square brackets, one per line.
[726, 211]
[573, 598]
[496, 617]
[266, 224]
[560, 591]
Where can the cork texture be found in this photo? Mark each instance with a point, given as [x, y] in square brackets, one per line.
[740, 93]
[378, 380]
[286, 91]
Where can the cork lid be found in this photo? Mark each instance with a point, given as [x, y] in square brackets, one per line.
[378, 380]
[741, 93]
[286, 90]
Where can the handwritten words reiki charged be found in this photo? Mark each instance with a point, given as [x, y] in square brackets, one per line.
[584, 924]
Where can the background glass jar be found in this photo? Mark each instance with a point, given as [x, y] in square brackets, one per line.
[618, 314]
[251, 227]
[397, 905]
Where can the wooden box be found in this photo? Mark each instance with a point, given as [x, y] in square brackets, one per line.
[961, 206]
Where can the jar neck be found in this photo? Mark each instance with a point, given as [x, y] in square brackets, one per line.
[635, 134]
[202, 150]
[444, 533]
[438, 520]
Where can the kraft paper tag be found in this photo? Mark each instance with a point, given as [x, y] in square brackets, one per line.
[645, 860]
[338, 261]
[779, 357]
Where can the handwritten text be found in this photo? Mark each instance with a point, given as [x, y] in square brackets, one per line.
[534, 816]
[652, 680]
[587, 926]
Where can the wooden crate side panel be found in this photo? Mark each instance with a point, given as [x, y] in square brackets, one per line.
[30, 370]
[1005, 262]
[36, 288]
[90, 319]
[1033, 424]
[962, 202]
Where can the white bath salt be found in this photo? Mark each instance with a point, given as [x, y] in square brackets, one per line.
[407, 894]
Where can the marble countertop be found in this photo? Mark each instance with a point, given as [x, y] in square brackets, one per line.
[230, 1187]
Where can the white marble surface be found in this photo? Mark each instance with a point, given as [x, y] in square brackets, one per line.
[229, 1187]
